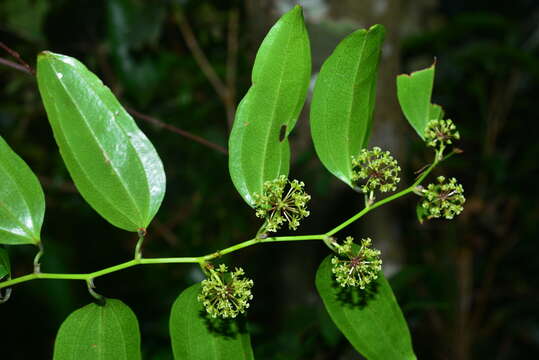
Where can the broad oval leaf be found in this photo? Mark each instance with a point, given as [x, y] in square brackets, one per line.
[22, 203]
[414, 92]
[114, 166]
[258, 144]
[197, 336]
[343, 100]
[370, 319]
[95, 332]
[5, 267]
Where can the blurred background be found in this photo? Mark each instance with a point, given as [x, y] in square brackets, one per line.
[468, 287]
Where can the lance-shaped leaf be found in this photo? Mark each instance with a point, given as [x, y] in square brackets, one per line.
[22, 203]
[114, 166]
[258, 144]
[5, 267]
[414, 92]
[370, 319]
[197, 336]
[343, 100]
[96, 332]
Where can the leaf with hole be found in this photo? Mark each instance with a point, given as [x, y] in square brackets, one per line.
[258, 144]
[22, 203]
[343, 100]
[370, 319]
[113, 164]
[99, 332]
[197, 336]
[414, 92]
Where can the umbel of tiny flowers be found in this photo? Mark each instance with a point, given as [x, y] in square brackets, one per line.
[440, 133]
[375, 170]
[443, 199]
[356, 265]
[225, 294]
[277, 205]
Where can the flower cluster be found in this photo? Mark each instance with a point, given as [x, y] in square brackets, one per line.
[277, 209]
[225, 294]
[375, 169]
[440, 133]
[357, 265]
[443, 199]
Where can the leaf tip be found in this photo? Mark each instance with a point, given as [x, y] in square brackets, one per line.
[296, 13]
[377, 29]
[51, 56]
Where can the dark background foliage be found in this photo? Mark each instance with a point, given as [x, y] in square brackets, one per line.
[468, 288]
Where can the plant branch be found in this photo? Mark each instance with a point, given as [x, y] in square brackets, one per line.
[24, 67]
[198, 54]
[138, 260]
[15, 66]
[176, 130]
[232, 65]
[23, 64]
[385, 200]
[145, 261]
[225, 91]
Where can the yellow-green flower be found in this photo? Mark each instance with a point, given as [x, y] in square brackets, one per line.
[278, 206]
[356, 265]
[444, 199]
[225, 294]
[375, 170]
[440, 133]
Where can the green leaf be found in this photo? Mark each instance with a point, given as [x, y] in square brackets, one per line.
[96, 332]
[343, 100]
[436, 112]
[370, 319]
[22, 203]
[114, 166]
[5, 267]
[414, 93]
[258, 144]
[196, 336]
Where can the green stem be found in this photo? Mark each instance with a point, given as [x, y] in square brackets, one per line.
[37, 258]
[138, 248]
[383, 201]
[101, 300]
[138, 260]
[142, 261]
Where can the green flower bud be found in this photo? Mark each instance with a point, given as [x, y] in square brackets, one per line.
[356, 265]
[278, 207]
[225, 294]
[375, 170]
[444, 199]
[440, 133]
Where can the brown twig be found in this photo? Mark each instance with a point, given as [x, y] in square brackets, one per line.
[198, 54]
[232, 65]
[27, 69]
[176, 130]
[226, 92]
[15, 66]
[17, 57]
